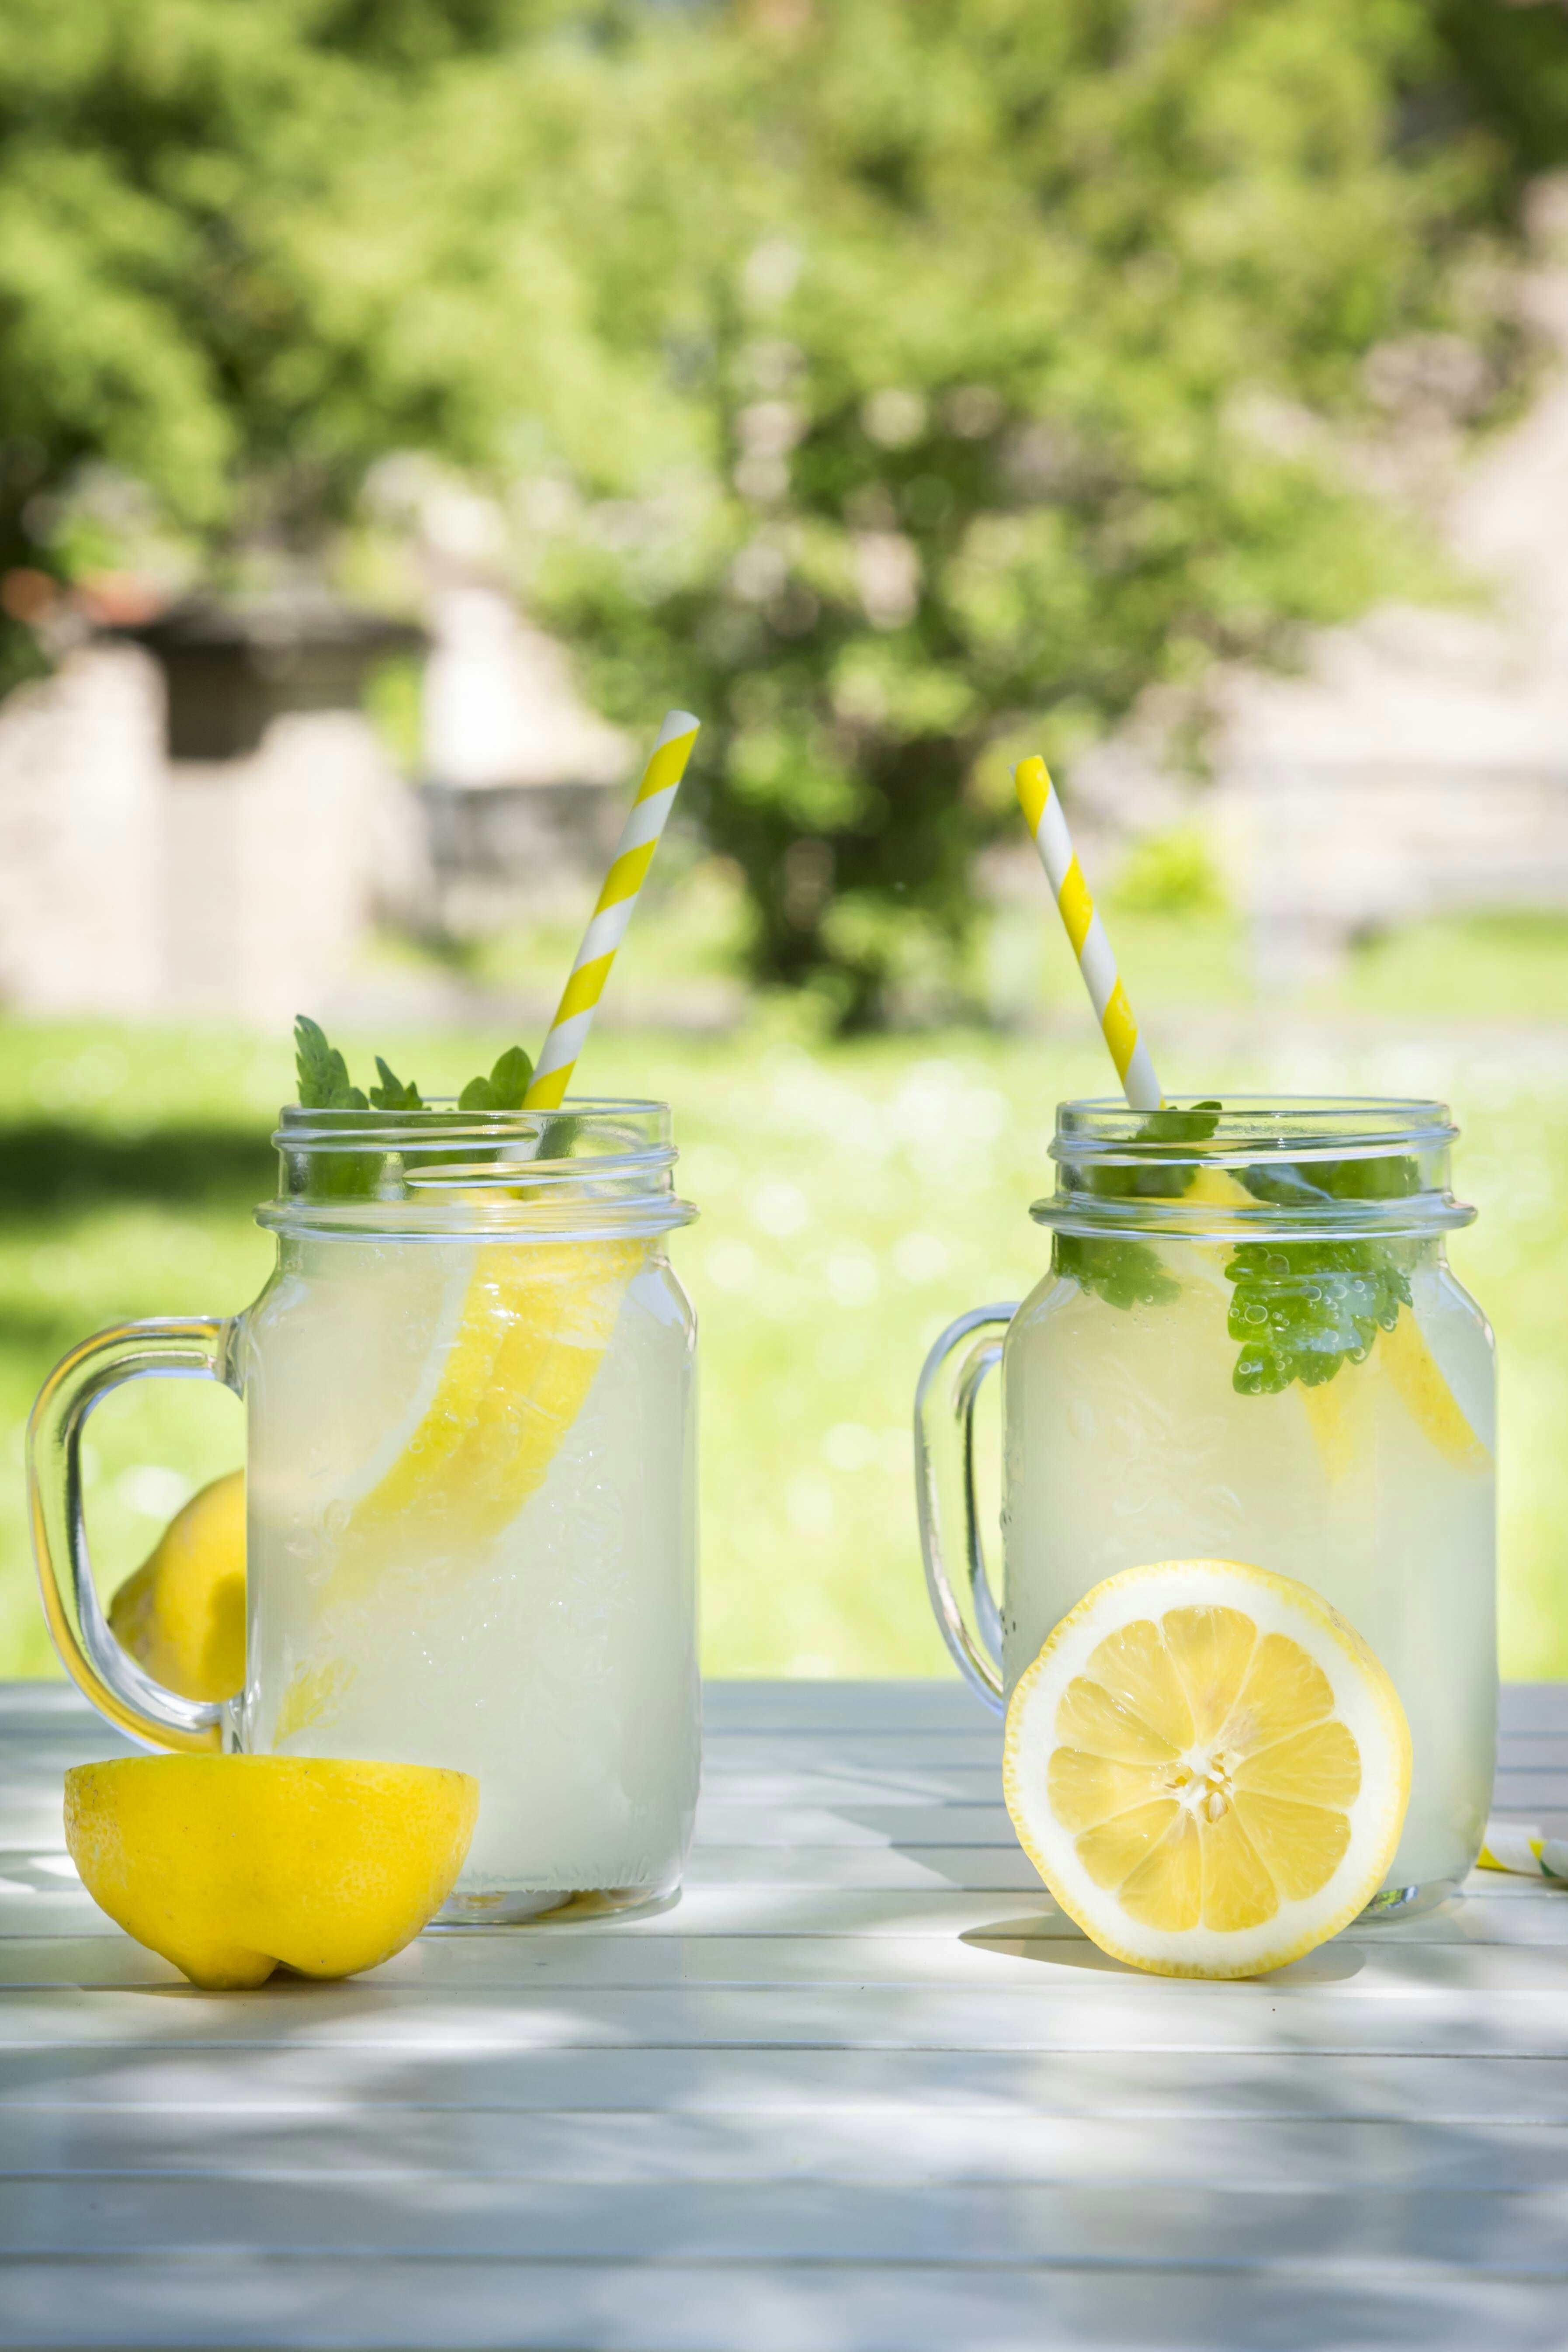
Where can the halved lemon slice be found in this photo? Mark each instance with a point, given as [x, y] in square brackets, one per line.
[1208, 1768]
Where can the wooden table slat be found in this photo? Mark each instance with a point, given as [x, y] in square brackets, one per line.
[863, 2089]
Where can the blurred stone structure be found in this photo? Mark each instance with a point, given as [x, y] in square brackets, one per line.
[81, 809]
[198, 818]
[1419, 764]
[519, 779]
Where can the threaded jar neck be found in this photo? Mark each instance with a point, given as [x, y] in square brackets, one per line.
[592, 1169]
[1285, 1166]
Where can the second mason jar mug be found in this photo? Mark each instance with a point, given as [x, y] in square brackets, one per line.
[470, 1495]
[1250, 1346]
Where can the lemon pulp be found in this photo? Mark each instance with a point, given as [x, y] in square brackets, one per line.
[536, 1323]
[1208, 1768]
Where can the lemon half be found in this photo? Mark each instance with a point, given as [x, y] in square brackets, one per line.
[1208, 1768]
[229, 1864]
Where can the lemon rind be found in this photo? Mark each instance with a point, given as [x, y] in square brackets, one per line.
[1369, 1706]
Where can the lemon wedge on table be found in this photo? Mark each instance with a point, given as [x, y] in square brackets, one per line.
[1208, 1768]
[181, 1614]
[228, 1865]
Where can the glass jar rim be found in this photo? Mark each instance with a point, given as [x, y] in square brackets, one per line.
[442, 1171]
[1120, 1169]
[1246, 1126]
[301, 1127]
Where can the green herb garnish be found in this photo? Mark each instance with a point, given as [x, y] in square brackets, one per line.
[1298, 1310]
[323, 1073]
[504, 1088]
[1301, 1309]
[1129, 1274]
[324, 1083]
[392, 1094]
[1125, 1273]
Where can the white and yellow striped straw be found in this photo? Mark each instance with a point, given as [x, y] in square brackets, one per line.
[1524, 1847]
[634, 855]
[1042, 806]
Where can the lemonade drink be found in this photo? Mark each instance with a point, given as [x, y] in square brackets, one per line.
[1250, 1347]
[471, 1524]
[1127, 1441]
[471, 1477]
[536, 1629]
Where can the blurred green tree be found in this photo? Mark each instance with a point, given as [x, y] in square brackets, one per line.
[901, 386]
[246, 249]
[1025, 341]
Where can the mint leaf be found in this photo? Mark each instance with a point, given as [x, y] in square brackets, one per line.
[504, 1088]
[511, 1078]
[323, 1073]
[1302, 1309]
[1129, 1274]
[1158, 1179]
[1298, 1310]
[1125, 1273]
[392, 1094]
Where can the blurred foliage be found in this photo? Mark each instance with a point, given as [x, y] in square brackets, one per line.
[1172, 872]
[246, 249]
[854, 1197]
[901, 387]
[1016, 332]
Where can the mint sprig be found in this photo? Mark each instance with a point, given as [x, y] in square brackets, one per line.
[392, 1094]
[505, 1088]
[323, 1073]
[1129, 1274]
[325, 1084]
[1298, 1310]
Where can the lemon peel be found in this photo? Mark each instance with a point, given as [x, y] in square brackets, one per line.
[1208, 1768]
[181, 1614]
[536, 1323]
[231, 1865]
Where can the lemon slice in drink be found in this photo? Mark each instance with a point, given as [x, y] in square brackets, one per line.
[1208, 1768]
[535, 1324]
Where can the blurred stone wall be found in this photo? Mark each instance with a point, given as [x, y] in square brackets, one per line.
[135, 885]
[81, 790]
[1417, 764]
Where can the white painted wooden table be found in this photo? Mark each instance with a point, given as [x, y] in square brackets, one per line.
[862, 2091]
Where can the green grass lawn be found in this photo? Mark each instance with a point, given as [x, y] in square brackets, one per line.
[854, 1198]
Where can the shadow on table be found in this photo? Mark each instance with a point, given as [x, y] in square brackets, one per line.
[1054, 1941]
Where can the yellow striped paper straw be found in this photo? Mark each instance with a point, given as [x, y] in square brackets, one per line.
[1042, 808]
[634, 855]
[1524, 1847]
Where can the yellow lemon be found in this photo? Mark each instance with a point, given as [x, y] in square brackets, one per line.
[1208, 1768]
[181, 1614]
[535, 1325]
[230, 1864]
[1412, 1367]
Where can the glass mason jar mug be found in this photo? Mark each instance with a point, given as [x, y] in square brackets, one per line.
[470, 1493]
[1250, 1346]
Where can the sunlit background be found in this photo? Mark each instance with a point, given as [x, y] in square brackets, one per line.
[401, 405]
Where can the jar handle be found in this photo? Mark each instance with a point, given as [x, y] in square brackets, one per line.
[196, 1348]
[978, 1661]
